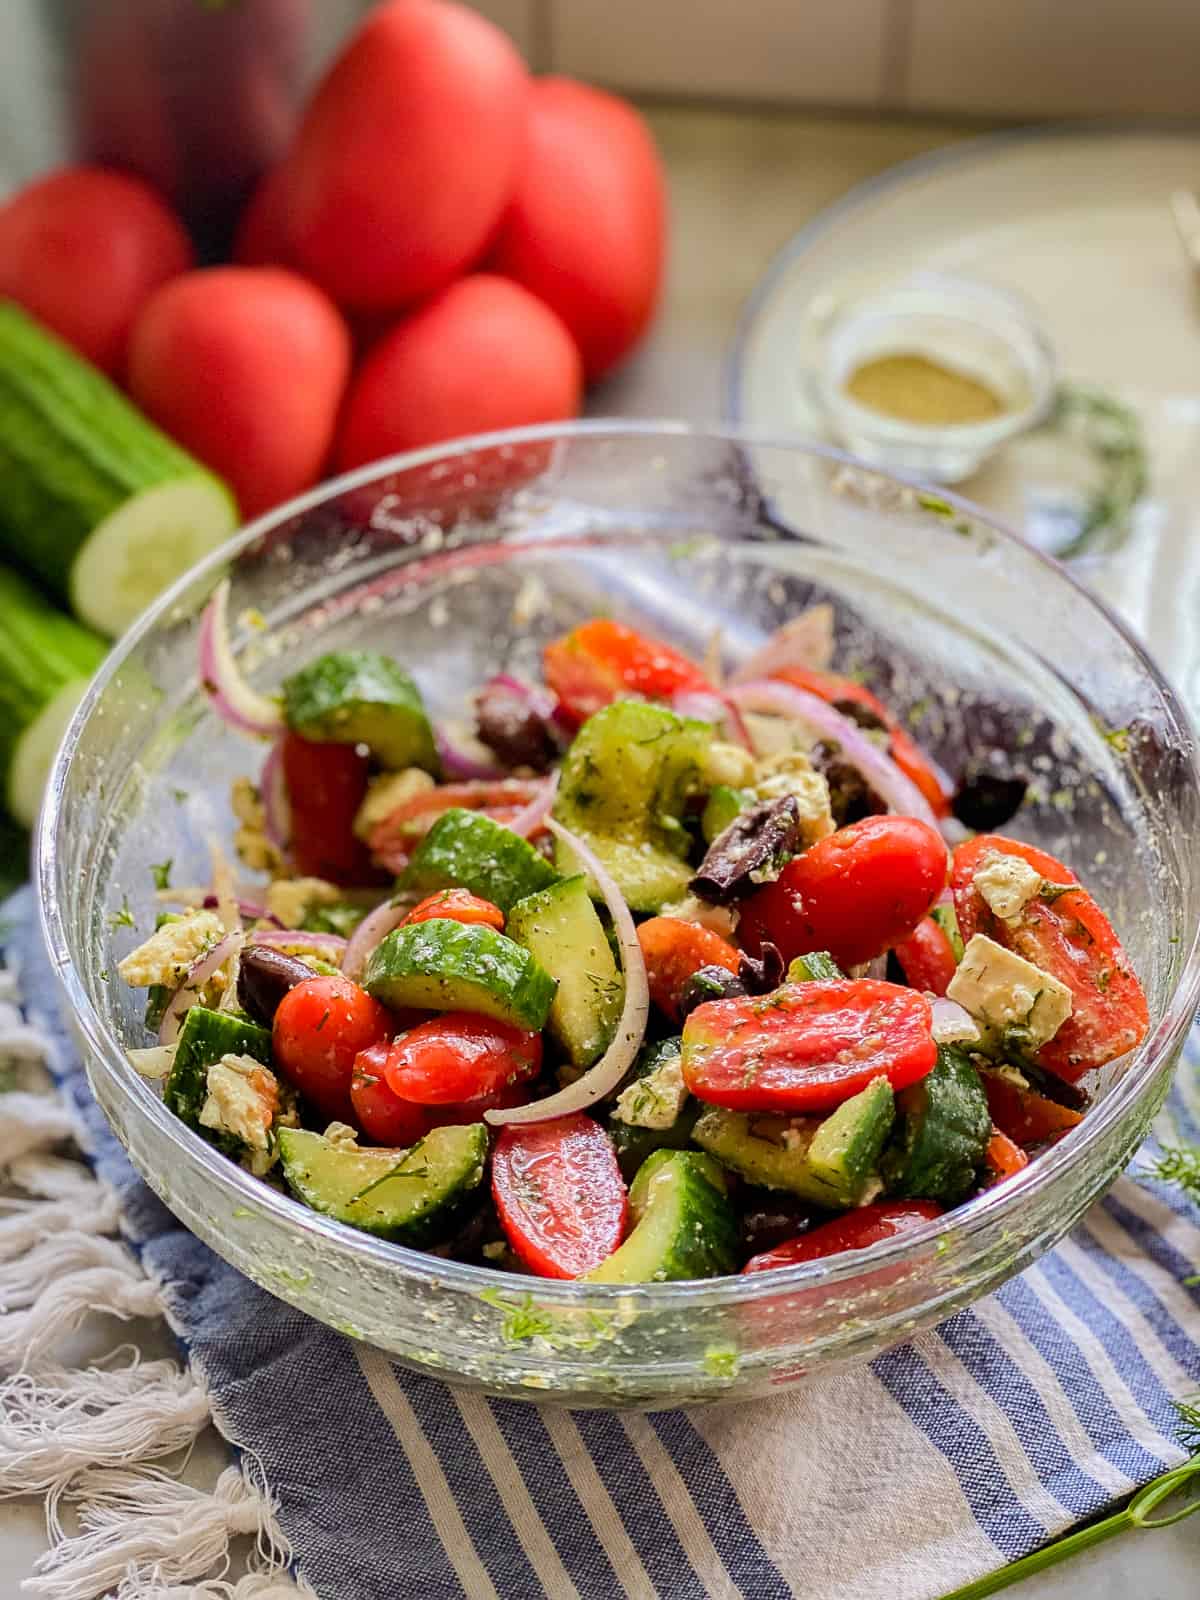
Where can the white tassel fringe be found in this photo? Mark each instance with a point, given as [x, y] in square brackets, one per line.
[28, 1338]
[30, 1122]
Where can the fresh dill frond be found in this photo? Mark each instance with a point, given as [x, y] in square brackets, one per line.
[1188, 1429]
[1180, 1165]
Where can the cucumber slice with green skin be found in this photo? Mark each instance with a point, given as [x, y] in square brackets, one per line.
[723, 806]
[454, 966]
[947, 920]
[560, 928]
[46, 661]
[816, 967]
[943, 1127]
[411, 1196]
[684, 1227]
[464, 849]
[204, 1038]
[843, 1157]
[625, 781]
[634, 1143]
[360, 697]
[97, 503]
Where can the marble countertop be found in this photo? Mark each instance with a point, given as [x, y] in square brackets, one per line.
[741, 184]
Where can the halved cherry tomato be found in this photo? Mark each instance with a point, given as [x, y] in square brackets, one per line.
[512, 1094]
[320, 1028]
[457, 905]
[674, 950]
[1067, 935]
[855, 1231]
[808, 1046]
[559, 1194]
[1003, 1158]
[326, 784]
[902, 747]
[927, 957]
[856, 893]
[595, 663]
[458, 1056]
[381, 1114]
[393, 840]
[1024, 1115]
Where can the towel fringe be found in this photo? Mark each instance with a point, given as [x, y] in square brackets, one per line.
[86, 1437]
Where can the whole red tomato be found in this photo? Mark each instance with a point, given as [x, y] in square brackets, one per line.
[320, 1028]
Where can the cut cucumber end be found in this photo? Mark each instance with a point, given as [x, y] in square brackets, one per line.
[138, 551]
[36, 749]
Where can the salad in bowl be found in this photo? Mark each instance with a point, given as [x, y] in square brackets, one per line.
[640, 971]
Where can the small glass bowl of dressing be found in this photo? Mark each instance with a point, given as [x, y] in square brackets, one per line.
[932, 376]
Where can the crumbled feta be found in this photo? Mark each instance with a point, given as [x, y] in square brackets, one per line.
[656, 1100]
[388, 793]
[290, 900]
[792, 773]
[1007, 884]
[342, 1135]
[717, 919]
[1007, 994]
[168, 954]
[244, 1101]
[254, 849]
[728, 763]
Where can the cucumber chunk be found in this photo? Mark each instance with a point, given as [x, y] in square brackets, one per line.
[46, 660]
[454, 966]
[560, 928]
[943, 1127]
[723, 806]
[97, 503]
[360, 697]
[204, 1038]
[464, 849]
[816, 967]
[843, 1157]
[662, 1119]
[625, 781]
[411, 1196]
[684, 1226]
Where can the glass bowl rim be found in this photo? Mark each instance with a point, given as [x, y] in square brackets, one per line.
[968, 1221]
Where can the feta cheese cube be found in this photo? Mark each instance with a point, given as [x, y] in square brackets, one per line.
[244, 1101]
[168, 954]
[1007, 884]
[291, 899]
[656, 1100]
[1008, 995]
[792, 773]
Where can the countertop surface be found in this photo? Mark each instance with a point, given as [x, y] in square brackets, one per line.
[741, 184]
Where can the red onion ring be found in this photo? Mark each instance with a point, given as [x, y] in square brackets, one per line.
[198, 975]
[782, 699]
[249, 909]
[543, 702]
[806, 641]
[232, 697]
[371, 931]
[599, 1081]
[330, 945]
[460, 763]
[711, 706]
[277, 808]
[533, 817]
[950, 1022]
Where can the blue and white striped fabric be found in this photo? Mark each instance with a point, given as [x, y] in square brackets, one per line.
[941, 1461]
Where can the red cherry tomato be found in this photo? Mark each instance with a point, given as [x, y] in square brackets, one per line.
[1024, 1115]
[856, 893]
[674, 950]
[916, 766]
[326, 784]
[857, 1230]
[320, 1028]
[1003, 1158]
[1068, 936]
[927, 957]
[512, 1094]
[808, 1046]
[559, 1194]
[381, 1114]
[457, 905]
[460, 1056]
[602, 659]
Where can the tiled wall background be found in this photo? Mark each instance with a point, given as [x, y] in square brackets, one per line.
[1016, 58]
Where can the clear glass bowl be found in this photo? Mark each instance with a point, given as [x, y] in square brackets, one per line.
[467, 559]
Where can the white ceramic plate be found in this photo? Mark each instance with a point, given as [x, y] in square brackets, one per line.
[1077, 221]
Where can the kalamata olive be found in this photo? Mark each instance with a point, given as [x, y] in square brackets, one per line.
[851, 797]
[709, 983]
[987, 799]
[764, 972]
[264, 977]
[770, 1217]
[514, 728]
[1055, 1088]
[862, 715]
[751, 851]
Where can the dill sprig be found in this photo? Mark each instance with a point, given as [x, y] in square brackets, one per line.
[1180, 1165]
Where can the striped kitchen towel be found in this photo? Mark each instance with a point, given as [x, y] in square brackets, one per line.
[942, 1460]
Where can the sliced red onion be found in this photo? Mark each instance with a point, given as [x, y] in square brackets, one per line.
[951, 1023]
[462, 760]
[953, 831]
[371, 931]
[598, 1081]
[528, 821]
[709, 706]
[248, 910]
[784, 699]
[541, 701]
[232, 697]
[277, 808]
[329, 946]
[156, 1062]
[198, 975]
[806, 641]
